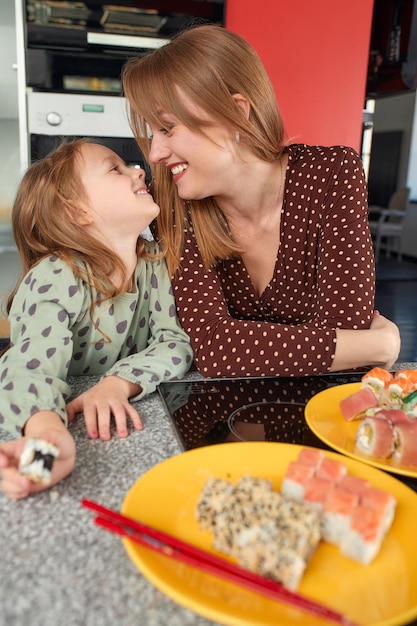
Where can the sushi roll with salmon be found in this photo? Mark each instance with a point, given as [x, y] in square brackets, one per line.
[393, 416]
[364, 537]
[405, 443]
[337, 512]
[410, 404]
[296, 476]
[377, 379]
[310, 456]
[331, 470]
[397, 390]
[357, 404]
[382, 502]
[374, 437]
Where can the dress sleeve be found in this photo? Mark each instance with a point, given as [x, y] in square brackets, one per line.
[335, 245]
[34, 370]
[345, 259]
[168, 353]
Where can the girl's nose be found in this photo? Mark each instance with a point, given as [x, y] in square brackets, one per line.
[137, 172]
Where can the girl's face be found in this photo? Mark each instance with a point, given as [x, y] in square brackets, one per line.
[201, 164]
[118, 201]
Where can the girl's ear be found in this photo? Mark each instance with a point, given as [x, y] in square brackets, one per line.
[77, 214]
[242, 103]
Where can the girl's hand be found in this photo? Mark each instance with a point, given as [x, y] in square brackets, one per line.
[17, 486]
[108, 397]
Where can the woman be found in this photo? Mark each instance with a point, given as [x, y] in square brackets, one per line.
[267, 243]
[95, 299]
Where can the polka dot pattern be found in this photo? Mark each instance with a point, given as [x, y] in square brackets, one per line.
[53, 337]
[323, 279]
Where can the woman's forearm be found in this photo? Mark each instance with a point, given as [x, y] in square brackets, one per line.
[378, 346]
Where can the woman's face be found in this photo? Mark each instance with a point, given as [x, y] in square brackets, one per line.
[200, 164]
[118, 199]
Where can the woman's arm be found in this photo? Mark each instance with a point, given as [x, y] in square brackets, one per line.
[378, 346]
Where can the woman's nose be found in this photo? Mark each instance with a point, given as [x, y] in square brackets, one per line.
[159, 151]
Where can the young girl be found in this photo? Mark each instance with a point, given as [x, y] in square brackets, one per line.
[95, 299]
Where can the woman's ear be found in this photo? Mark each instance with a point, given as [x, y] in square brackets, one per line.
[242, 103]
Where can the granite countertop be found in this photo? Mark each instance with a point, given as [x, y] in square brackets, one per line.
[57, 567]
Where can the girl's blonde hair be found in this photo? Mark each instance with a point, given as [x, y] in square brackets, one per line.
[208, 64]
[44, 219]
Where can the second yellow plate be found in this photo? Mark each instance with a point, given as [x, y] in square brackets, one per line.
[324, 418]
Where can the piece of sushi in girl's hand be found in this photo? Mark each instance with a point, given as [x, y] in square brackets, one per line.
[37, 460]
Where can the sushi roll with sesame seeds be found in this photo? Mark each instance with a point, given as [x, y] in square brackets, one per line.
[212, 500]
[37, 459]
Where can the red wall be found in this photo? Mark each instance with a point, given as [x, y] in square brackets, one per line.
[316, 54]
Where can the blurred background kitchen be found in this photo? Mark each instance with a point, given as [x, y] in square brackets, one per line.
[344, 73]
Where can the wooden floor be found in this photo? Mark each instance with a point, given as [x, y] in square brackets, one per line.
[396, 297]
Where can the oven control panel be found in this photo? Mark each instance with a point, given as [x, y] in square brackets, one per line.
[70, 114]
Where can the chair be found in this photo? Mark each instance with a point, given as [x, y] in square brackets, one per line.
[387, 230]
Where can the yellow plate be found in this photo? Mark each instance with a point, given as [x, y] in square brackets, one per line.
[383, 593]
[324, 418]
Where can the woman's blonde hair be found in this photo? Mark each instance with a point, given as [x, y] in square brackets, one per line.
[44, 219]
[208, 64]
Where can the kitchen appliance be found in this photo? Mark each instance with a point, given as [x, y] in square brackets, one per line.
[211, 411]
[81, 46]
[54, 116]
[70, 57]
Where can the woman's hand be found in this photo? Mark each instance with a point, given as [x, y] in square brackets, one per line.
[108, 397]
[13, 483]
[389, 336]
[378, 346]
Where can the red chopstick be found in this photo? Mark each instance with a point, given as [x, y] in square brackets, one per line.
[179, 550]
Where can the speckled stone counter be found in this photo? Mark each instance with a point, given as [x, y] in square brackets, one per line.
[57, 567]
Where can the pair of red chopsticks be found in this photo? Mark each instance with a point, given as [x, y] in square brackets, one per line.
[179, 550]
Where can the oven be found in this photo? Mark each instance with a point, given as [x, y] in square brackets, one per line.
[72, 55]
[53, 116]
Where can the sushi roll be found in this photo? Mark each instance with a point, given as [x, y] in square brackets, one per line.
[316, 491]
[410, 404]
[337, 511]
[410, 375]
[310, 456]
[405, 443]
[377, 379]
[375, 437]
[295, 478]
[382, 502]
[37, 460]
[355, 406]
[331, 470]
[213, 498]
[353, 484]
[397, 390]
[363, 540]
[394, 416]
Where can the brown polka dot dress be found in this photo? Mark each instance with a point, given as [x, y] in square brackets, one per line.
[323, 279]
[53, 337]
